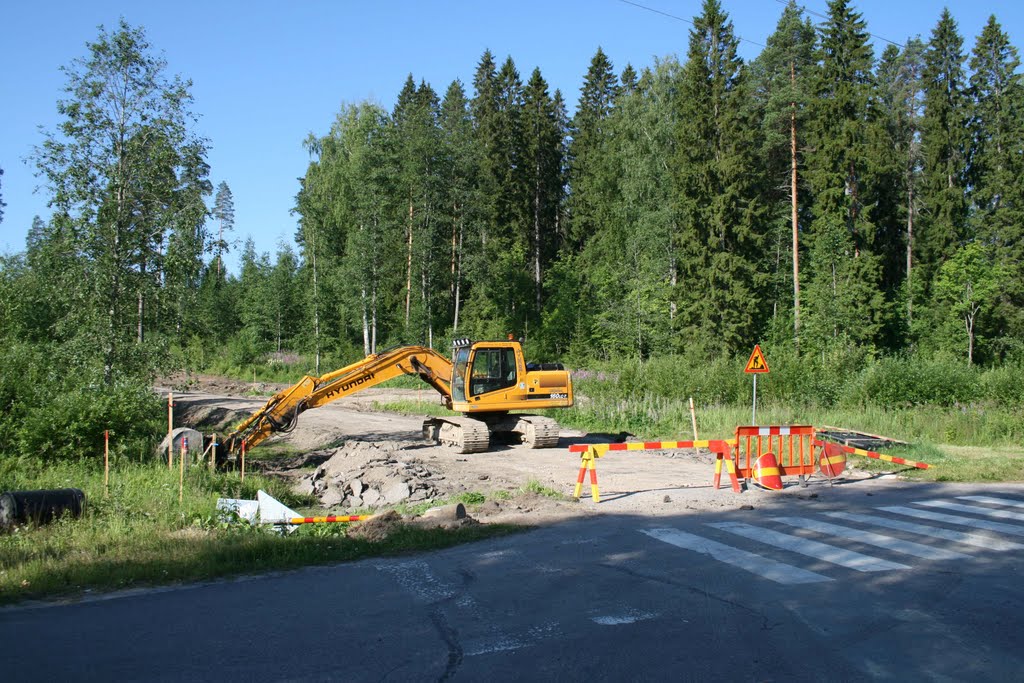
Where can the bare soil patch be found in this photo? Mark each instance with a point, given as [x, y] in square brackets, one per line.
[352, 458]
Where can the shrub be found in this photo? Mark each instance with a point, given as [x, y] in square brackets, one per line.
[895, 382]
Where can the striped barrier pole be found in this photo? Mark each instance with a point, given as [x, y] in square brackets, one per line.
[590, 453]
[876, 456]
[328, 519]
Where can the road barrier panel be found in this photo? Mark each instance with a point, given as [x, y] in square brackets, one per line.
[792, 447]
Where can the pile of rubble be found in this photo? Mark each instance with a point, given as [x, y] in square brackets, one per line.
[363, 475]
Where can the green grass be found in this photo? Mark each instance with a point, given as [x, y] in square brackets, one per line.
[139, 535]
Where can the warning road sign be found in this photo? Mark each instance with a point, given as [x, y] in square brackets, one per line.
[757, 363]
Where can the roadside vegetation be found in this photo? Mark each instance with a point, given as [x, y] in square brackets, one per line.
[139, 535]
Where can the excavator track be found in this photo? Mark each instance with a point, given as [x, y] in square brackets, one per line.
[463, 434]
[537, 431]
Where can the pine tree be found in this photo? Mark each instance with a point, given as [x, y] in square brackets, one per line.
[224, 213]
[783, 90]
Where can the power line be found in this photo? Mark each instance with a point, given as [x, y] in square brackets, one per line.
[673, 16]
[826, 18]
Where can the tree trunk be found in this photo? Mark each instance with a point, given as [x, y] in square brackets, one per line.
[366, 323]
[408, 269]
[458, 279]
[141, 304]
[536, 244]
[794, 212]
[316, 306]
[910, 251]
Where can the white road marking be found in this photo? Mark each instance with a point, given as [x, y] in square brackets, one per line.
[804, 546]
[955, 519]
[972, 509]
[980, 540]
[751, 562]
[926, 552]
[417, 579]
[620, 619]
[994, 501]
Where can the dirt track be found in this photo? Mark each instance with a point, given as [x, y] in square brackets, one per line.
[349, 444]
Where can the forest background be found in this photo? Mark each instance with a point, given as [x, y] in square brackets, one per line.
[857, 215]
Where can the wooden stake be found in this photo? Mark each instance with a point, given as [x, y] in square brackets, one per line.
[170, 429]
[693, 420]
[181, 470]
[243, 460]
[106, 463]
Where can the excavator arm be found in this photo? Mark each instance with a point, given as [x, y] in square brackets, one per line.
[282, 411]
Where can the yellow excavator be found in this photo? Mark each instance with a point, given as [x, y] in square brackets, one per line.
[483, 381]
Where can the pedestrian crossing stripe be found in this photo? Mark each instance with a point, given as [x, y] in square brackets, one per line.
[784, 573]
[980, 540]
[973, 509]
[925, 552]
[994, 501]
[778, 572]
[955, 519]
[805, 546]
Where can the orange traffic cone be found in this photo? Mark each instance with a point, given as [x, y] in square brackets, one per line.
[832, 461]
[766, 472]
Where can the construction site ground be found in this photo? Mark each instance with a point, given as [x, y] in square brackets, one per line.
[352, 456]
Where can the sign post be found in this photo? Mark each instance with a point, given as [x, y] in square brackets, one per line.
[755, 366]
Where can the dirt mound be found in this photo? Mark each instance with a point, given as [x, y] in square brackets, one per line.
[361, 474]
[377, 528]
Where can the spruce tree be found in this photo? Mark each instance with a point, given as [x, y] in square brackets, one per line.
[997, 173]
[458, 171]
[543, 163]
[944, 146]
[900, 96]
[722, 218]
[843, 295]
[587, 178]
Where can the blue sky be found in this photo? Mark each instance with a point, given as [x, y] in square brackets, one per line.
[266, 74]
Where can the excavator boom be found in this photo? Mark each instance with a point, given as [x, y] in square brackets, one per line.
[280, 413]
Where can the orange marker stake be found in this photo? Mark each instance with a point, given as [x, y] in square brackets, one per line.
[106, 462]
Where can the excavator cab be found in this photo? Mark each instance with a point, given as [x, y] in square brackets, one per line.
[492, 376]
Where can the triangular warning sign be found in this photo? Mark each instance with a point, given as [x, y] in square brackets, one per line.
[757, 363]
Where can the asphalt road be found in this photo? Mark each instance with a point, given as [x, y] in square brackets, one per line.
[873, 581]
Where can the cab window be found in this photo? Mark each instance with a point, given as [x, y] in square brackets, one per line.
[493, 369]
[459, 378]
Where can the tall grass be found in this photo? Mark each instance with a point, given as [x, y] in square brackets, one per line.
[139, 534]
[935, 400]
